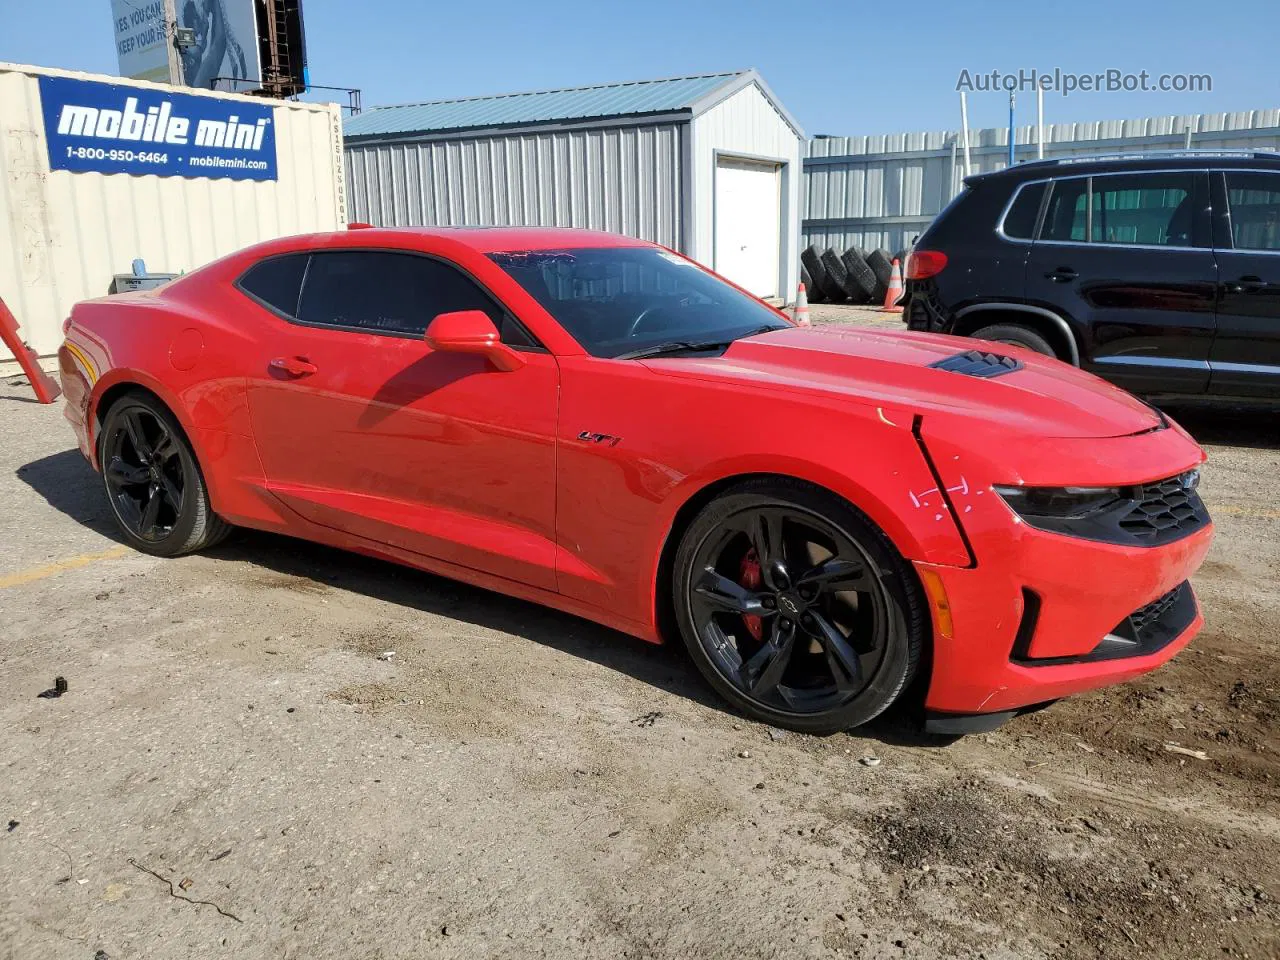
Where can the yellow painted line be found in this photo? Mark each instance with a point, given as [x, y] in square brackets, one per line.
[1234, 510]
[58, 566]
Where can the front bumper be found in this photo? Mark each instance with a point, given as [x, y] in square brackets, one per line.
[1060, 619]
[1000, 654]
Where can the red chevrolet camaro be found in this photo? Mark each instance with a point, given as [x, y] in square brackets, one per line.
[822, 515]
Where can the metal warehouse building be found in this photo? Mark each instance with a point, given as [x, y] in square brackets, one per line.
[707, 165]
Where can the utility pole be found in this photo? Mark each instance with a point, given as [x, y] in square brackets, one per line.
[1012, 130]
[169, 13]
[1039, 122]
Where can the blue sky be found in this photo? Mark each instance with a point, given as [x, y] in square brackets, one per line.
[841, 68]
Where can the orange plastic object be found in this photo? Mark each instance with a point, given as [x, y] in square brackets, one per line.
[46, 388]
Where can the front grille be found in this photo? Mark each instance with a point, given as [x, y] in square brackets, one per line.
[1145, 631]
[1150, 627]
[1164, 511]
[1144, 618]
[976, 363]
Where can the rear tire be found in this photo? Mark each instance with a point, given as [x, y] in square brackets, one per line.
[153, 483]
[840, 621]
[1017, 335]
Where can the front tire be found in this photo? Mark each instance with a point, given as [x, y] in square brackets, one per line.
[153, 482]
[796, 607]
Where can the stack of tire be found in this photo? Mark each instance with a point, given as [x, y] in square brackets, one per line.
[854, 276]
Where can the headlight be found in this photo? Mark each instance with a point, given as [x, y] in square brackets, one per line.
[1146, 514]
[1035, 504]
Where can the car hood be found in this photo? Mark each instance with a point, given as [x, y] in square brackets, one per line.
[893, 369]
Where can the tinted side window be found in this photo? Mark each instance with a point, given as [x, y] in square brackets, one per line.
[1020, 221]
[1154, 209]
[394, 293]
[1254, 200]
[277, 282]
[1068, 214]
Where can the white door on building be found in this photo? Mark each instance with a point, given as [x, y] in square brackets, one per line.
[748, 224]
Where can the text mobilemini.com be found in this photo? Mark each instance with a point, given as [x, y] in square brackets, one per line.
[238, 163]
[1063, 82]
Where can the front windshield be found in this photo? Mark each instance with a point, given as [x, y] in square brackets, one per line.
[620, 300]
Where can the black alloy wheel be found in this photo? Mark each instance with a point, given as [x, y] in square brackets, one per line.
[153, 482]
[144, 475]
[797, 608]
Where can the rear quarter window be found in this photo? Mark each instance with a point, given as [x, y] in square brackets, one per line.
[1020, 220]
[276, 283]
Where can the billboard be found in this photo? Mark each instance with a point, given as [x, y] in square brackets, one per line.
[94, 127]
[142, 42]
[225, 45]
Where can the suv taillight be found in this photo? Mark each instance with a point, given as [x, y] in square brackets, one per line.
[923, 264]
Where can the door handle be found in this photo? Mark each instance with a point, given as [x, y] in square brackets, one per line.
[294, 366]
[1061, 275]
[1248, 283]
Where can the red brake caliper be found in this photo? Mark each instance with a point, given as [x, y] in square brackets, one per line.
[749, 577]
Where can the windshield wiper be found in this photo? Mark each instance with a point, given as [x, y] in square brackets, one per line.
[673, 346]
[687, 346]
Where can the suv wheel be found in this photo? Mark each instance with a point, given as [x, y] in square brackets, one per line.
[1017, 335]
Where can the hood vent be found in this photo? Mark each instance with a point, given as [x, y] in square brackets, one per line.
[975, 363]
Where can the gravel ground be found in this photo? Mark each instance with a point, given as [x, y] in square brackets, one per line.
[239, 769]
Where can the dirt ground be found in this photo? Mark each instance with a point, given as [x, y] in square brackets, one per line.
[239, 768]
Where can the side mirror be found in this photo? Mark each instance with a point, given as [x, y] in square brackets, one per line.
[471, 331]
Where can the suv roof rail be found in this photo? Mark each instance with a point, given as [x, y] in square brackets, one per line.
[1155, 155]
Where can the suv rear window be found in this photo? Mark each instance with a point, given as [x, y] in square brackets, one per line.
[1146, 209]
[1020, 221]
[1152, 209]
[1067, 218]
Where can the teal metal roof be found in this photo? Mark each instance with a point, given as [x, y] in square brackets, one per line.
[518, 109]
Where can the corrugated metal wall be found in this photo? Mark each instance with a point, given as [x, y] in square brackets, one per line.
[882, 191]
[623, 179]
[70, 233]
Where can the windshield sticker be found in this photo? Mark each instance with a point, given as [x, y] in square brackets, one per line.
[678, 260]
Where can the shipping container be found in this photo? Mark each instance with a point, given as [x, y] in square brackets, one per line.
[144, 171]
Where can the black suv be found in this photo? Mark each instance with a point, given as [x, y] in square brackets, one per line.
[1159, 272]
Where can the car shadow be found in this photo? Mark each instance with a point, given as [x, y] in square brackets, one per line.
[1257, 427]
[68, 484]
[666, 667]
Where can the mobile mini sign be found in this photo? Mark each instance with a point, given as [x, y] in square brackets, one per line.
[94, 127]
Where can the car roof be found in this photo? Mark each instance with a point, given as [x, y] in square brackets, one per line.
[1119, 163]
[502, 239]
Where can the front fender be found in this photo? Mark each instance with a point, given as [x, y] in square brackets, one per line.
[903, 500]
[668, 439]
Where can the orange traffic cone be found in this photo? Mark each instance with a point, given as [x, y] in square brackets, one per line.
[894, 293]
[800, 312]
